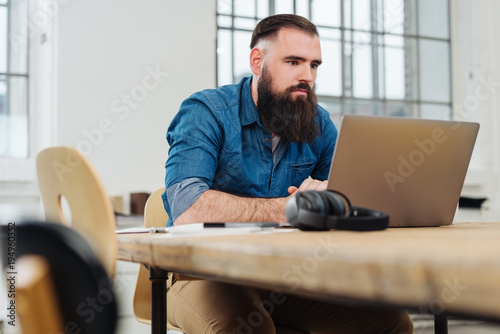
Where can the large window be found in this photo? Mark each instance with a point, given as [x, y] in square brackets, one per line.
[380, 57]
[13, 79]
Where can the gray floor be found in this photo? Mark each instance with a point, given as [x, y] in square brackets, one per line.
[454, 327]
[463, 329]
[424, 324]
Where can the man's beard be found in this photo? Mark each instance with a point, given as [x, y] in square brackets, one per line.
[293, 120]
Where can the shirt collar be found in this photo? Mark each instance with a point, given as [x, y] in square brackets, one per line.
[248, 109]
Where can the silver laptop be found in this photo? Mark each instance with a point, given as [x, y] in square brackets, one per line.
[411, 169]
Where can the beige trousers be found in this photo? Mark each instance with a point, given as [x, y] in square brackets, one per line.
[206, 307]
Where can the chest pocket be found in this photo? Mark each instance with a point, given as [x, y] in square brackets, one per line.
[300, 172]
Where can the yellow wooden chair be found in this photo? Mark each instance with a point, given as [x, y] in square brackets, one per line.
[63, 171]
[154, 216]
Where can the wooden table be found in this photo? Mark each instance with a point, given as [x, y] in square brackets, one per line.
[440, 270]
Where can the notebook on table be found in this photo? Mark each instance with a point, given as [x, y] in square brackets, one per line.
[411, 169]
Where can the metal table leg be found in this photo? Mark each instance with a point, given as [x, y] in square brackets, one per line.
[158, 278]
[440, 324]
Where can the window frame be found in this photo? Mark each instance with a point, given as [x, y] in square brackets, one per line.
[18, 175]
[9, 74]
[346, 100]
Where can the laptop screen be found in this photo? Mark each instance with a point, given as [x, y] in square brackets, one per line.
[411, 169]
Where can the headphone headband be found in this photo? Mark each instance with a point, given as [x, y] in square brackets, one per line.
[361, 219]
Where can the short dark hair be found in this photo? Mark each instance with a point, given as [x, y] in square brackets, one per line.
[271, 25]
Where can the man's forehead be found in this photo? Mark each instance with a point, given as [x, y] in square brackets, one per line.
[286, 33]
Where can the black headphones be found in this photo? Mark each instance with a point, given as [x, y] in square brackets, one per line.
[330, 209]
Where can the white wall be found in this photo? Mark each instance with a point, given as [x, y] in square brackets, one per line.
[109, 104]
[476, 89]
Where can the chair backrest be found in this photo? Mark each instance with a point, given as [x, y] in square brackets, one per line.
[65, 172]
[154, 216]
[81, 291]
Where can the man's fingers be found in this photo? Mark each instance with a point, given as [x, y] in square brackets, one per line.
[305, 185]
[311, 184]
[322, 186]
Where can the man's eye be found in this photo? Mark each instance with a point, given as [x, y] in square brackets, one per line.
[314, 66]
[293, 62]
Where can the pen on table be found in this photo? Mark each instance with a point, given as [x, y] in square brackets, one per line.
[240, 224]
[158, 230]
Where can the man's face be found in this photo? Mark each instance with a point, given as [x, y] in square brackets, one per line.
[286, 99]
[292, 58]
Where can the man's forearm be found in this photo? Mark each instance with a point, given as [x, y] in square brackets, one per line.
[214, 206]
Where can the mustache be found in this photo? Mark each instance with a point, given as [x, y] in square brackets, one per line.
[301, 85]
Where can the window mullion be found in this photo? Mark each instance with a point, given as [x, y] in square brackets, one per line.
[8, 77]
[350, 78]
[451, 61]
[417, 64]
[342, 53]
[374, 50]
[233, 76]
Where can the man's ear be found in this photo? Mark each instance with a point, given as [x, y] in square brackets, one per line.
[256, 60]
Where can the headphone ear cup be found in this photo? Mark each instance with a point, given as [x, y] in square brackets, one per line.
[312, 201]
[292, 210]
[335, 205]
[306, 211]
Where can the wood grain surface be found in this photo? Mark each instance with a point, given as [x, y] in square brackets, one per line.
[433, 269]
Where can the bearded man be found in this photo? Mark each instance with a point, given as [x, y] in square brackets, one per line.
[238, 153]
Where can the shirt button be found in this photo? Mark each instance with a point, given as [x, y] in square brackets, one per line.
[267, 140]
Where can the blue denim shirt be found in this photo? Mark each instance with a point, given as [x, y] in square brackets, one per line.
[217, 141]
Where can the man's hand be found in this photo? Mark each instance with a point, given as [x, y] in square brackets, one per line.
[309, 184]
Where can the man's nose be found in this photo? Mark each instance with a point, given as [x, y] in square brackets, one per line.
[306, 74]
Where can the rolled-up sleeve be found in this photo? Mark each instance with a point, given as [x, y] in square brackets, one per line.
[182, 195]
